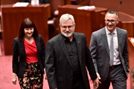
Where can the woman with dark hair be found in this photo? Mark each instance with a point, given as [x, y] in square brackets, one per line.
[28, 57]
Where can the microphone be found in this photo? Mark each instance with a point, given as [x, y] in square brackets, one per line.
[120, 5]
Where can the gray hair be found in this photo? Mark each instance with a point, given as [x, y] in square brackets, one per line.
[113, 12]
[66, 17]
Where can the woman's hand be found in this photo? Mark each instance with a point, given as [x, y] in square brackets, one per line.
[14, 78]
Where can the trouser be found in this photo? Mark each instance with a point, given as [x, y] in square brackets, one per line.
[117, 77]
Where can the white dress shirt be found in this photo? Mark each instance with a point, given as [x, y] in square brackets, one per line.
[116, 60]
[34, 2]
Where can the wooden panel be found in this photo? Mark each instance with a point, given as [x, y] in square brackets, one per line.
[127, 22]
[126, 7]
[13, 16]
[5, 2]
[129, 27]
[55, 3]
[86, 21]
[67, 1]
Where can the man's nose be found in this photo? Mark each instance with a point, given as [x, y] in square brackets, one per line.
[67, 29]
[109, 23]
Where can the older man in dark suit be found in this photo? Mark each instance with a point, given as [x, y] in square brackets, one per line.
[109, 50]
[67, 57]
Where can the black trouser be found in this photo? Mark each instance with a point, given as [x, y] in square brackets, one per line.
[78, 81]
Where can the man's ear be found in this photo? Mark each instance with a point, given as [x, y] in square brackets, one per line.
[118, 21]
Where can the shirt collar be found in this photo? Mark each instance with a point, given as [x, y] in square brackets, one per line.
[108, 32]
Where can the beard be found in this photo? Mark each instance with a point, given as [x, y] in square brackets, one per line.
[67, 34]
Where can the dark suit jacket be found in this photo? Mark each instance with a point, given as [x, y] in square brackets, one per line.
[19, 55]
[58, 65]
[40, 1]
[100, 51]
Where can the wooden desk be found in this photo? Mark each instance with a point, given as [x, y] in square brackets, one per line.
[7, 2]
[127, 22]
[86, 21]
[13, 16]
[131, 56]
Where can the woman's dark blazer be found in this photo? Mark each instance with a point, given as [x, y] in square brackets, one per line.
[19, 55]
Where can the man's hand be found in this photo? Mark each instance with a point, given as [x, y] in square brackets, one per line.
[96, 82]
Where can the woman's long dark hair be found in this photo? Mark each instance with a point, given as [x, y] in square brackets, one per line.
[27, 23]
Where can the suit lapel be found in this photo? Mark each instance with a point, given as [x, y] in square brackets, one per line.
[22, 48]
[119, 37]
[64, 48]
[104, 39]
[37, 45]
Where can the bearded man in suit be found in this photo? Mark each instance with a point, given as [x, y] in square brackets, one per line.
[67, 57]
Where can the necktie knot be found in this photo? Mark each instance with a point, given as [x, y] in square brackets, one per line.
[111, 33]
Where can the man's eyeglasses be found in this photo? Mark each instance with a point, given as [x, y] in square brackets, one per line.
[112, 21]
[69, 27]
